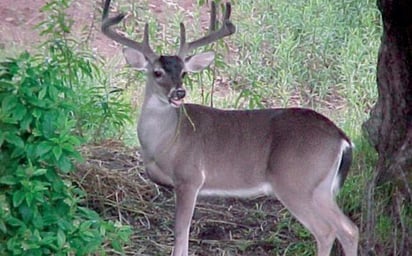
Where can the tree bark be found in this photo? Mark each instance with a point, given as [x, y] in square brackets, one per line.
[389, 127]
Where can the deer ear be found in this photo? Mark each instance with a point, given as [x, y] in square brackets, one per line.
[135, 58]
[199, 61]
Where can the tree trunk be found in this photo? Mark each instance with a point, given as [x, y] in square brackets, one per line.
[389, 127]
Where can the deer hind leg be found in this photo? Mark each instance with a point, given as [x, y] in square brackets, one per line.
[348, 236]
[302, 208]
[346, 231]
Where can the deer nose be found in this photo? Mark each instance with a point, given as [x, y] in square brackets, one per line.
[180, 93]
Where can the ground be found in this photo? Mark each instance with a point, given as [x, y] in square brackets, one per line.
[115, 180]
[18, 19]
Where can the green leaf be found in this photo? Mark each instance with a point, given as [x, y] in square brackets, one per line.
[18, 152]
[25, 123]
[43, 148]
[48, 125]
[14, 139]
[39, 172]
[6, 84]
[57, 151]
[117, 246]
[15, 222]
[30, 198]
[85, 226]
[1, 138]
[26, 213]
[19, 112]
[38, 221]
[8, 180]
[64, 164]
[76, 156]
[65, 224]
[18, 197]
[88, 213]
[61, 238]
[9, 103]
[50, 218]
[42, 93]
[53, 92]
[3, 227]
[21, 173]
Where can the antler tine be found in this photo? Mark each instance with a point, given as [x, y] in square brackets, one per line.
[227, 29]
[228, 11]
[212, 23]
[143, 47]
[183, 44]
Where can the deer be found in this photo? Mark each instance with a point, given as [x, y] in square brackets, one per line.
[296, 155]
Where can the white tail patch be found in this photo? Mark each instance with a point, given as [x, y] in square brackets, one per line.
[337, 178]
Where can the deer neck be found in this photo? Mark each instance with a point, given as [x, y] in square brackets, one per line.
[158, 121]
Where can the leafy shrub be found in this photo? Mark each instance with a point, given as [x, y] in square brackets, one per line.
[100, 109]
[48, 102]
[39, 211]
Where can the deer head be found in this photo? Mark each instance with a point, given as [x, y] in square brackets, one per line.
[165, 73]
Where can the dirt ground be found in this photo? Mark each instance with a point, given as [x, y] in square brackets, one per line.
[18, 19]
[113, 174]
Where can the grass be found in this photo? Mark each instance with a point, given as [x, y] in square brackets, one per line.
[309, 53]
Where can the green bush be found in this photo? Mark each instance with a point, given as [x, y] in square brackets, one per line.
[100, 109]
[50, 103]
[40, 212]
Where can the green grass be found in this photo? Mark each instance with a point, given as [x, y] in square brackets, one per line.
[319, 54]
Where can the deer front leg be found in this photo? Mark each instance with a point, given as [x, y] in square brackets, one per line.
[186, 195]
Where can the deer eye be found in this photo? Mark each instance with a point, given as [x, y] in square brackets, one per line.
[157, 73]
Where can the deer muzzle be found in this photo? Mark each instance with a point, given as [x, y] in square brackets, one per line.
[176, 97]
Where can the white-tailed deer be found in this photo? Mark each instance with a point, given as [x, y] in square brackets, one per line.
[295, 154]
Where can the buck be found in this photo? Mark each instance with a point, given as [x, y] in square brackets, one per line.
[294, 154]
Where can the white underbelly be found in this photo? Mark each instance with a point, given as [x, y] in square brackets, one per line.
[259, 190]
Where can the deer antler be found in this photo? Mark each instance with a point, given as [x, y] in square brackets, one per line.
[226, 30]
[142, 47]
